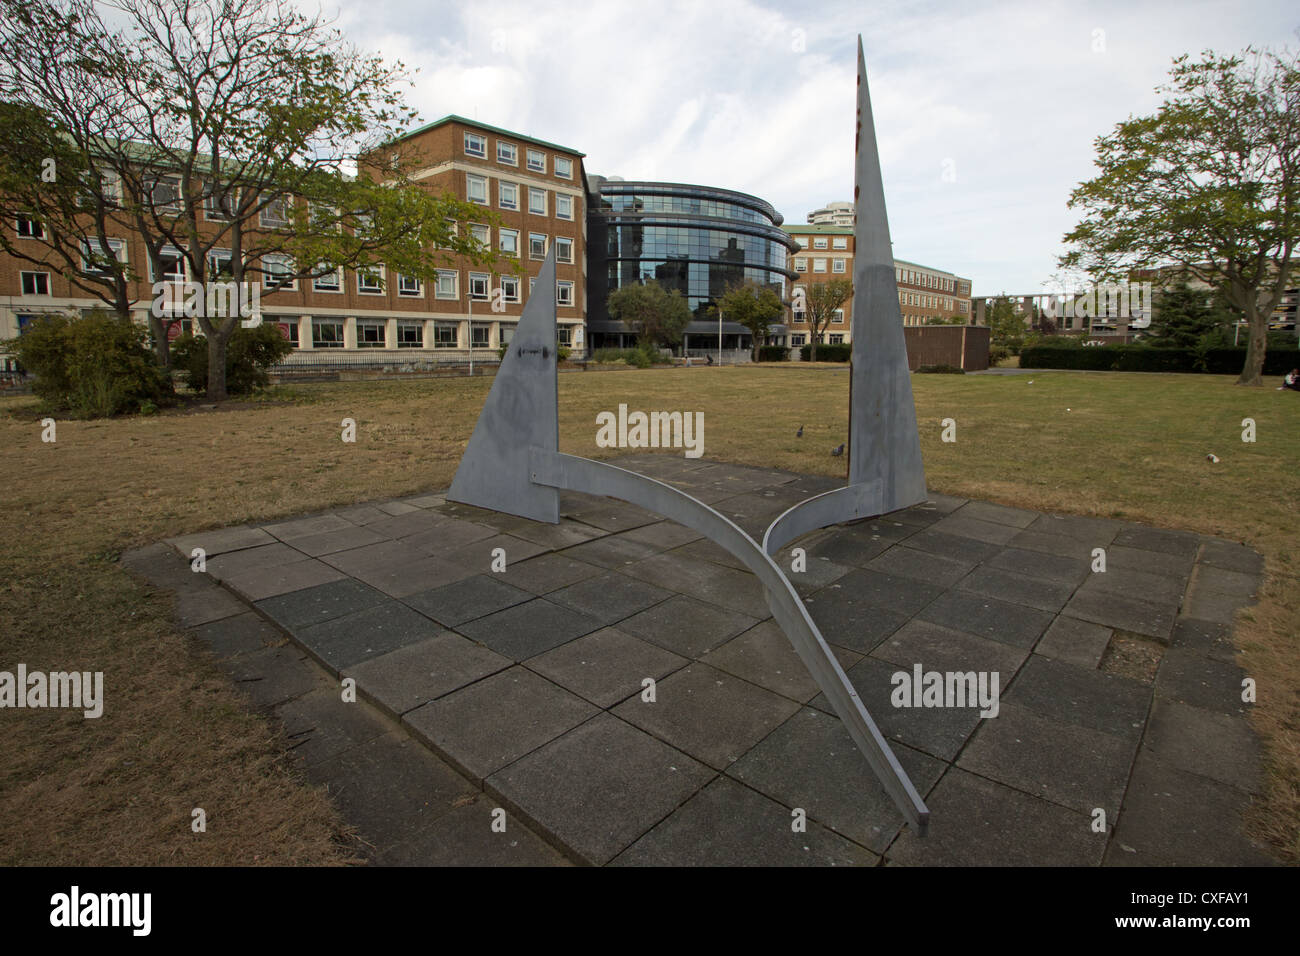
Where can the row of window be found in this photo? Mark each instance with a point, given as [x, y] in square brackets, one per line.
[373, 334]
[912, 277]
[838, 266]
[799, 340]
[476, 145]
[477, 189]
[925, 301]
[820, 242]
[632, 202]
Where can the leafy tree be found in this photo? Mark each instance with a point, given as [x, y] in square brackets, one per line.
[1210, 181]
[1006, 326]
[239, 127]
[657, 315]
[755, 307]
[1183, 317]
[821, 301]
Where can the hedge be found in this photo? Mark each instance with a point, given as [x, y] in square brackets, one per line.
[828, 353]
[773, 353]
[1144, 358]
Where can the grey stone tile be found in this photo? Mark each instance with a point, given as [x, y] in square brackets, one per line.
[401, 580]
[613, 516]
[493, 722]
[449, 534]
[977, 822]
[1120, 558]
[1173, 818]
[1137, 585]
[952, 546]
[1189, 677]
[1154, 539]
[810, 762]
[395, 507]
[361, 514]
[1125, 614]
[880, 590]
[1199, 741]
[662, 536]
[461, 601]
[1089, 698]
[411, 676]
[262, 583]
[1077, 767]
[161, 566]
[938, 731]
[240, 634]
[556, 536]
[394, 791]
[299, 609]
[221, 541]
[1212, 606]
[763, 655]
[686, 626]
[944, 504]
[708, 714]
[204, 604]
[847, 620]
[548, 572]
[343, 642]
[1017, 588]
[941, 649]
[1011, 624]
[1236, 583]
[425, 501]
[234, 563]
[298, 528]
[1205, 637]
[1096, 532]
[727, 824]
[403, 525]
[615, 551]
[609, 597]
[999, 514]
[1231, 556]
[706, 550]
[370, 557]
[599, 787]
[987, 531]
[704, 581]
[273, 676]
[480, 557]
[1074, 641]
[321, 725]
[329, 542]
[529, 629]
[465, 837]
[606, 666]
[1057, 544]
[904, 562]
[1040, 564]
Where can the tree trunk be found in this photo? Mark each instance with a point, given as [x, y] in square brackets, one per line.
[217, 365]
[812, 346]
[161, 347]
[1253, 371]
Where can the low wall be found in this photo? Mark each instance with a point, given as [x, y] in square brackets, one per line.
[961, 346]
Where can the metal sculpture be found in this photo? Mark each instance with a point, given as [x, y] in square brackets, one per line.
[513, 464]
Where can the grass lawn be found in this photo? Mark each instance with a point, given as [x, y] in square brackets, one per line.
[175, 736]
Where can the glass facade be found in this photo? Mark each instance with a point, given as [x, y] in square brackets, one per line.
[698, 240]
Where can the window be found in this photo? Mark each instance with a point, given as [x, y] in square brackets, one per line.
[838, 317]
[165, 194]
[536, 245]
[563, 249]
[479, 285]
[448, 285]
[171, 266]
[410, 286]
[508, 195]
[840, 242]
[537, 160]
[800, 264]
[331, 281]
[370, 281]
[475, 145]
[509, 239]
[819, 265]
[481, 233]
[507, 153]
[510, 288]
[220, 263]
[837, 340]
[218, 203]
[796, 341]
[277, 273]
[36, 283]
[94, 258]
[410, 335]
[563, 167]
[30, 228]
[476, 188]
[537, 202]
[444, 336]
[564, 293]
[563, 207]
[275, 214]
[507, 333]
[819, 242]
[480, 336]
[327, 333]
[370, 334]
[838, 266]
[564, 335]
[289, 330]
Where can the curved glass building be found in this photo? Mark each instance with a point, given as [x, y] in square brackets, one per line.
[696, 239]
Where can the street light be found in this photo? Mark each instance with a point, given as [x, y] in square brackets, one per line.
[719, 338]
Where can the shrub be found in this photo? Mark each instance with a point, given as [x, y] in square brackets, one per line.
[1145, 358]
[562, 353]
[643, 356]
[91, 366]
[774, 353]
[941, 369]
[998, 354]
[249, 353]
[828, 353]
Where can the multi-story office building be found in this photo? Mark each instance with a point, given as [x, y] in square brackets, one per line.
[925, 294]
[838, 213]
[537, 188]
[699, 240]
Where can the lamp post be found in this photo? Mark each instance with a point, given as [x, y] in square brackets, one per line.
[719, 338]
[471, 331]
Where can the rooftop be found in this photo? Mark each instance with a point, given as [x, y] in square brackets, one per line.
[453, 118]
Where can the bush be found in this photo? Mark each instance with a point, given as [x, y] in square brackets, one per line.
[1145, 358]
[562, 353]
[93, 367]
[643, 356]
[941, 369]
[249, 353]
[997, 355]
[773, 353]
[828, 353]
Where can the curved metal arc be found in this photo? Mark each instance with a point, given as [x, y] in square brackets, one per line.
[571, 473]
[821, 511]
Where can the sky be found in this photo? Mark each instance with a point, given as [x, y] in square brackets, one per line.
[986, 113]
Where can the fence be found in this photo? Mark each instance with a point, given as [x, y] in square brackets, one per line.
[729, 356]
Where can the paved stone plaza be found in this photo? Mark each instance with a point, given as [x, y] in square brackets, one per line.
[522, 689]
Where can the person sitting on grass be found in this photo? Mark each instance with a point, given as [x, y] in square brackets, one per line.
[1291, 380]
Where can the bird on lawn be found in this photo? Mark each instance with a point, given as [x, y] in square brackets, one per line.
[799, 433]
[836, 452]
